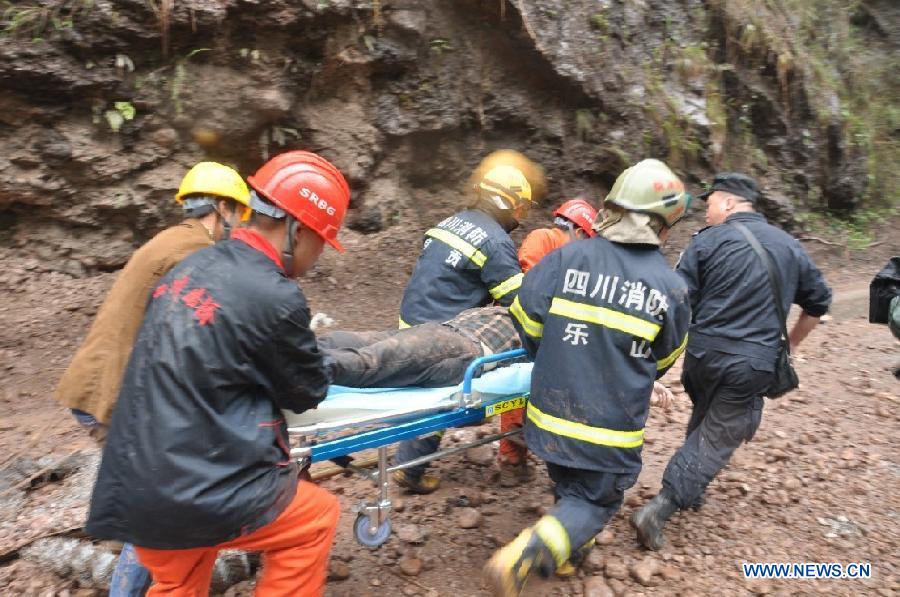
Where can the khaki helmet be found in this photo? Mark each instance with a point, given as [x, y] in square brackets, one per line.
[208, 181]
[650, 187]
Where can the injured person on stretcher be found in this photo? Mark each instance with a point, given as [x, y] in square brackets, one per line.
[427, 355]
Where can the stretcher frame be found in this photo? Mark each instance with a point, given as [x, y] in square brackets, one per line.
[372, 526]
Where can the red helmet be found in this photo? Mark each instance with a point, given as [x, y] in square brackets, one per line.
[579, 212]
[309, 188]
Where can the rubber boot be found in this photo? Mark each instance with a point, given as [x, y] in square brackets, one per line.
[508, 569]
[423, 485]
[650, 520]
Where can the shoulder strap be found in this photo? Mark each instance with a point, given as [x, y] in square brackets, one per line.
[773, 279]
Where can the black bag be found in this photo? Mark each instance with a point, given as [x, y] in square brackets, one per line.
[884, 287]
[785, 377]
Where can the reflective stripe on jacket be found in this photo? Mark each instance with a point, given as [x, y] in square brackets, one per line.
[602, 321]
[467, 261]
[197, 452]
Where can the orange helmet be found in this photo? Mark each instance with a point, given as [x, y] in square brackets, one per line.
[579, 212]
[309, 188]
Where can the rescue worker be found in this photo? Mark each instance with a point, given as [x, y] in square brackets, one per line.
[573, 220]
[735, 339]
[603, 319]
[469, 260]
[197, 456]
[215, 199]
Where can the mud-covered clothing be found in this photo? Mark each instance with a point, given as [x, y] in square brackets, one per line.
[468, 260]
[602, 321]
[726, 392]
[539, 243]
[491, 327]
[92, 380]
[731, 298]
[426, 355]
[586, 500]
[197, 453]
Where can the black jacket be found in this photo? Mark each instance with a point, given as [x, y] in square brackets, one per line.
[468, 260]
[197, 452]
[731, 298]
[602, 320]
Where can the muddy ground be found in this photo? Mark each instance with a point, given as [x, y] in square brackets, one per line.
[817, 484]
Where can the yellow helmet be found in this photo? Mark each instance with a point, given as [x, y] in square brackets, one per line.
[509, 185]
[212, 178]
[532, 172]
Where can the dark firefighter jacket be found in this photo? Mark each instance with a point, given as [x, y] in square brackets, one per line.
[197, 453]
[467, 261]
[602, 321]
[730, 294]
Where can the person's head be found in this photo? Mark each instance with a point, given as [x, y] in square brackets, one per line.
[730, 192]
[577, 216]
[646, 200]
[505, 185]
[213, 189]
[299, 201]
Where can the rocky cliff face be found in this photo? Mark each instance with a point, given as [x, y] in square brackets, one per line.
[107, 103]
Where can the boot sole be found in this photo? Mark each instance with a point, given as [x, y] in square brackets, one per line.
[497, 582]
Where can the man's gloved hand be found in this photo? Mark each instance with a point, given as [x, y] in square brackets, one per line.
[661, 396]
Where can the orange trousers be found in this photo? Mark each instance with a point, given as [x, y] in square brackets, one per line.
[294, 547]
[510, 451]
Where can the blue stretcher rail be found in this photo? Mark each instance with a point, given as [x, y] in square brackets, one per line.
[480, 362]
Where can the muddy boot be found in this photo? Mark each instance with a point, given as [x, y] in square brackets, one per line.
[513, 475]
[650, 520]
[422, 485]
[570, 567]
[508, 569]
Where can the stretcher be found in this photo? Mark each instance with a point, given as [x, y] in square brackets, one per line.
[350, 420]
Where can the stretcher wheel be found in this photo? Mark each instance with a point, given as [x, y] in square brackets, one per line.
[362, 530]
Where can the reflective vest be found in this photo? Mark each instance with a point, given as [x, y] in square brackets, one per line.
[467, 261]
[602, 321]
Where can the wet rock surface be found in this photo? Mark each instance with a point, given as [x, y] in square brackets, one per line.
[105, 108]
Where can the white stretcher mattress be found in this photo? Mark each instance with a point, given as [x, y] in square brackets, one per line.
[345, 403]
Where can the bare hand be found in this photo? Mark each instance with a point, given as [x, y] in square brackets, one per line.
[661, 396]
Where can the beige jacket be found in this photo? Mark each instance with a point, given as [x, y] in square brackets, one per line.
[91, 382]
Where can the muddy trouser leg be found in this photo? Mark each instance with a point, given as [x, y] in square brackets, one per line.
[586, 500]
[732, 387]
[129, 578]
[427, 355]
[342, 339]
[432, 355]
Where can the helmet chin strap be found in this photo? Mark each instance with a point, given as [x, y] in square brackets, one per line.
[287, 255]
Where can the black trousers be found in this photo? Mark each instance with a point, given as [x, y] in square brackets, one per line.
[727, 394]
[586, 500]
